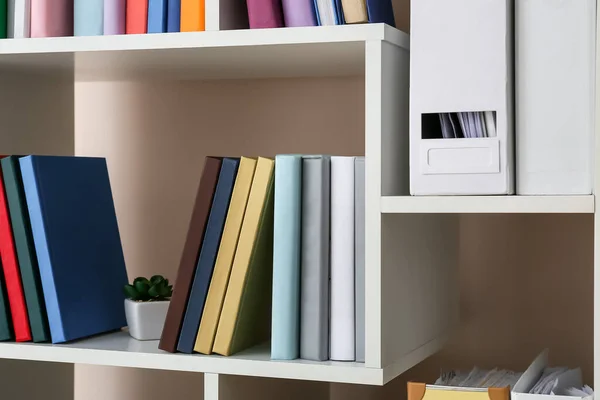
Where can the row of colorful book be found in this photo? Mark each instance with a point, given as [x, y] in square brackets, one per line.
[293, 13]
[240, 265]
[53, 18]
[318, 258]
[62, 260]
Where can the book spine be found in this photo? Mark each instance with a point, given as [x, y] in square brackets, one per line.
[341, 342]
[555, 91]
[226, 331]
[265, 14]
[174, 16]
[157, 16]
[114, 17]
[51, 18]
[30, 274]
[299, 12]
[34, 206]
[359, 256]
[3, 19]
[192, 16]
[285, 330]
[88, 17]
[187, 265]
[136, 17]
[381, 11]
[227, 248]
[12, 274]
[18, 19]
[355, 11]
[314, 296]
[208, 254]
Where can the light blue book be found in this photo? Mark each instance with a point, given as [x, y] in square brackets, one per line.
[88, 17]
[285, 327]
[157, 16]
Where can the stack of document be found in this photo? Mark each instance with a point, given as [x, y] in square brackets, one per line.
[479, 378]
[468, 124]
[561, 381]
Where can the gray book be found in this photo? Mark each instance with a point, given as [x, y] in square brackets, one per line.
[314, 284]
[359, 254]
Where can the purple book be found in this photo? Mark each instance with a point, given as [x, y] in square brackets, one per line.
[265, 14]
[114, 17]
[299, 12]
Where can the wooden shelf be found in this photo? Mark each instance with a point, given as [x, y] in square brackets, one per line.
[487, 204]
[235, 54]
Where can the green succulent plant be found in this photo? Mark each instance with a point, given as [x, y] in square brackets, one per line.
[155, 289]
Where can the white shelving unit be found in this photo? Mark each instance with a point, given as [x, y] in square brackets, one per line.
[411, 289]
[44, 74]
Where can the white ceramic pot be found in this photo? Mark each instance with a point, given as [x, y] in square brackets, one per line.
[146, 319]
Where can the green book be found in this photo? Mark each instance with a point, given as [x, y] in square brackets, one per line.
[3, 19]
[6, 330]
[30, 273]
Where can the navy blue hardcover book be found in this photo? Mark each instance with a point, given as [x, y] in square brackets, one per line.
[174, 16]
[208, 255]
[77, 243]
[381, 11]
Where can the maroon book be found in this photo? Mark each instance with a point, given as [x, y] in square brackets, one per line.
[187, 266]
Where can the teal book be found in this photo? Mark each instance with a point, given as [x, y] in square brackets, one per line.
[30, 273]
[285, 324]
[88, 17]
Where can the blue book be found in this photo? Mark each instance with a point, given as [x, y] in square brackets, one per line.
[381, 11]
[88, 17]
[157, 16]
[285, 324]
[174, 16]
[208, 255]
[77, 243]
[338, 12]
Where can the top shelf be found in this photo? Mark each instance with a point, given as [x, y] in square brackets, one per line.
[234, 54]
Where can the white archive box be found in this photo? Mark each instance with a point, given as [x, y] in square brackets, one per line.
[533, 374]
[461, 63]
[555, 89]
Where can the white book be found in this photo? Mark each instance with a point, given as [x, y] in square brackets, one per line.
[555, 84]
[18, 18]
[341, 335]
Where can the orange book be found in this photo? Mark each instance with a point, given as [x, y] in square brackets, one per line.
[192, 15]
[136, 16]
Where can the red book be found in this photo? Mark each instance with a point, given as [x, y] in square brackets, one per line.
[12, 274]
[136, 16]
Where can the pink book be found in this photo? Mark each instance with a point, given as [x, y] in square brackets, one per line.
[114, 17]
[51, 18]
[265, 13]
[299, 12]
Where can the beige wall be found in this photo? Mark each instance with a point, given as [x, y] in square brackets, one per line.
[521, 276]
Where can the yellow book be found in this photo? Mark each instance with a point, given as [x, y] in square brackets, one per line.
[224, 261]
[245, 319]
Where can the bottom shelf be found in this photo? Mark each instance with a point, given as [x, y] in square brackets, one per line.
[120, 350]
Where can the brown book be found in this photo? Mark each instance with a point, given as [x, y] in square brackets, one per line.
[187, 266]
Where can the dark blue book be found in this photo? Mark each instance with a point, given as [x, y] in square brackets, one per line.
[174, 16]
[157, 16]
[77, 243]
[381, 11]
[208, 255]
